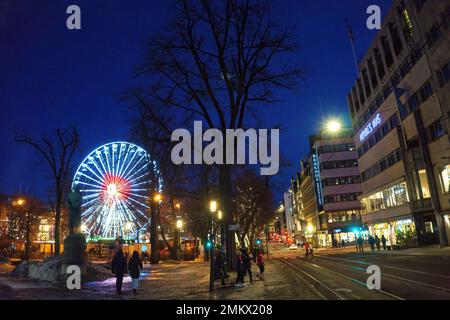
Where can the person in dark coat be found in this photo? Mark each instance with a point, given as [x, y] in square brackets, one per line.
[247, 263]
[134, 268]
[383, 241]
[220, 266]
[372, 243]
[119, 269]
[240, 270]
[378, 242]
[360, 244]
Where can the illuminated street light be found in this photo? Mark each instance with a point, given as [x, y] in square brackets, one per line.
[128, 226]
[219, 215]
[333, 126]
[310, 228]
[178, 206]
[179, 224]
[213, 206]
[83, 228]
[19, 202]
[157, 198]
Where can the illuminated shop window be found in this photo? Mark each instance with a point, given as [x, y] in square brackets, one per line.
[424, 185]
[391, 197]
[445, 179]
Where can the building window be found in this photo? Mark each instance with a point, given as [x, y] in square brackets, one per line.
[387, 52]
[390, 197]
[397, 42]
[424, 185]
[445, 179]
[433, 35]
[426, 91]
[445, 73]
[379, 63]
[382, 165]
[437, 130]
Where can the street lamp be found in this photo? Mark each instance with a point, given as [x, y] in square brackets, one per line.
[213, 206]
[179, 224]
[157, 198]
[333, 126]
[212, 209]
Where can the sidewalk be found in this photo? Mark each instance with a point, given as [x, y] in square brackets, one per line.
[168, 281]
[420, 251]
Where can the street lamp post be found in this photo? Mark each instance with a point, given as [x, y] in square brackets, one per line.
[212, 209]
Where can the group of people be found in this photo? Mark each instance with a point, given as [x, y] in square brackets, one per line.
[374, 242]
[377, 241]
[339, 244]
[244, 266]
[121, 266]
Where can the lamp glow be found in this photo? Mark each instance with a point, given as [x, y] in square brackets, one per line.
[333, 126]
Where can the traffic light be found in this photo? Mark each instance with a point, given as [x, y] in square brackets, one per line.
[258, 242]
[208, 244]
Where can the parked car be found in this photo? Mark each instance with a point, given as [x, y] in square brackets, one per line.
[293, 247]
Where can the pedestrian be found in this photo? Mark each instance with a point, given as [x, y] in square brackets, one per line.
[372, 243]
[311, 250]
[383, 241]
[219, 267]
[239, 269]
[343, 244]
[306, 244]
[119, 269]
[378, 242]
[360, 244]
[260, 264]
[247, 264]
[135, 268]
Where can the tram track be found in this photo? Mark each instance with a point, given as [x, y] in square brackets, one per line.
[398, 278]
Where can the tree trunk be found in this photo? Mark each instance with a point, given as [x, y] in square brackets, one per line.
[28, 236]
[154, 256]
[57, 224]
[226, 206]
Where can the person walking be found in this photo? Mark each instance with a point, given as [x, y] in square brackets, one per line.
[260, 264]
[311, 250]
[383, 242]
[239, 269]
[306, 244]
[377, 242]
[343, 244]
[135, 267]
[247, 263]
[372, 243]
[119, 269]
[219, 266]
[360, 244]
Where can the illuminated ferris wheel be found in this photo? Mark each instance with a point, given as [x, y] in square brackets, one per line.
[114, 182]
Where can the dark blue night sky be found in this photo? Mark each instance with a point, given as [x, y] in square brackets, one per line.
[52, 77]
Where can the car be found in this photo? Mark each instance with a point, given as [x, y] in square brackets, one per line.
[293, 247]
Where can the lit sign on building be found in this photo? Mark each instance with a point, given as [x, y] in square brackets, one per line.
[371, 126]
[317, 181]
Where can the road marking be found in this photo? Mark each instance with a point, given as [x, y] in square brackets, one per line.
[388, 267]
[340, 297]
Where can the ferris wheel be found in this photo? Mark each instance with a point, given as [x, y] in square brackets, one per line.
[114, 181]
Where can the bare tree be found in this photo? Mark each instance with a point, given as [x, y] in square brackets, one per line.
[218, 61]
[254, 205]
[58, 153]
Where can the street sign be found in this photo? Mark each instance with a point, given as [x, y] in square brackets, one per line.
[233, 227]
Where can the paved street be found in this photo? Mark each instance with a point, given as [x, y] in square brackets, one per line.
[329, 275]
[342, 275]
